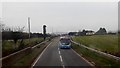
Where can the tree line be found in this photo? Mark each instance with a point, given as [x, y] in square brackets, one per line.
[17, 33]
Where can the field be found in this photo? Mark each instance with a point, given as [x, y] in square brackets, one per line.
[105, 43]
[98, 60]
[26, 58]
[8, 46]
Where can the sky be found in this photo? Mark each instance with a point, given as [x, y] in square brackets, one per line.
[60, 0]
[61, 16]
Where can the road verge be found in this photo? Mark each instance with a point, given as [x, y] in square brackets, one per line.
[24, 57]
[98, 60]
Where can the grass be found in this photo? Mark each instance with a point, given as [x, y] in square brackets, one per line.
[32, 41]
[98, 59]
[25, 60]
[28, 59]
[106, 43]
[8, 46]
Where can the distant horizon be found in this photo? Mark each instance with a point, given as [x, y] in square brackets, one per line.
[68, 31]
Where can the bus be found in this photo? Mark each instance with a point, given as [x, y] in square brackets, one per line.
[64, 43]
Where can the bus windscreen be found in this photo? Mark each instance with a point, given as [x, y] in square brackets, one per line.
[65, 41]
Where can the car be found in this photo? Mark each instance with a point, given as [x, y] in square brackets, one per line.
[64, 43]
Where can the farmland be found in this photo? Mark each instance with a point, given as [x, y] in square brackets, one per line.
[105, 43]
[8, 46]
[98, 60]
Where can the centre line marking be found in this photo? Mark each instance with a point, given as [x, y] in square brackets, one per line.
[61, 58]
[58, 49]
[62, 61]
[59, 52]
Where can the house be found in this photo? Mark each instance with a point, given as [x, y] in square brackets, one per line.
[86, 32]
[101, 31]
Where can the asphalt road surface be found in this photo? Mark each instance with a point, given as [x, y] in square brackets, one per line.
[53, 57]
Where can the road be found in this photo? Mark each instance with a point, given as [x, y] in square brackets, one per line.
[52, 57]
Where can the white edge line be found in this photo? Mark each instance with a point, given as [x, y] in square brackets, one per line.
[40, 56]
[83, 58]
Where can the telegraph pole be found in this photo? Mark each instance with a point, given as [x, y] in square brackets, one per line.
[29, 27]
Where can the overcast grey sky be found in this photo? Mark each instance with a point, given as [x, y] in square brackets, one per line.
[62, 16]
[60, 0]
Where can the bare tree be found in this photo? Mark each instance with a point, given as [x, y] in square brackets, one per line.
[13, 34]
[17, 34]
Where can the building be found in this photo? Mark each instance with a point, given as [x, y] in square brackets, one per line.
[101, 31]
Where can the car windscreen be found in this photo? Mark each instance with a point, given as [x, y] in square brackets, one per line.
[65, 41]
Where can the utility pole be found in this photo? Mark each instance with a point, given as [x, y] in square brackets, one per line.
[29, 27]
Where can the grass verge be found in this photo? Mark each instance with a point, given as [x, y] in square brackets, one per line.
[105, 43]
[8, 46]
[27, 59]
[99, 60]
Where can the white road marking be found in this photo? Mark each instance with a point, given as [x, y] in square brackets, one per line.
[62, 61]
[83, 58]
[39, 56]
[59, 52]
[61, 58]
[63, 66]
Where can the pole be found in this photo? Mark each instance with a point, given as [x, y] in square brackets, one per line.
[44, 31]
[29, 27]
